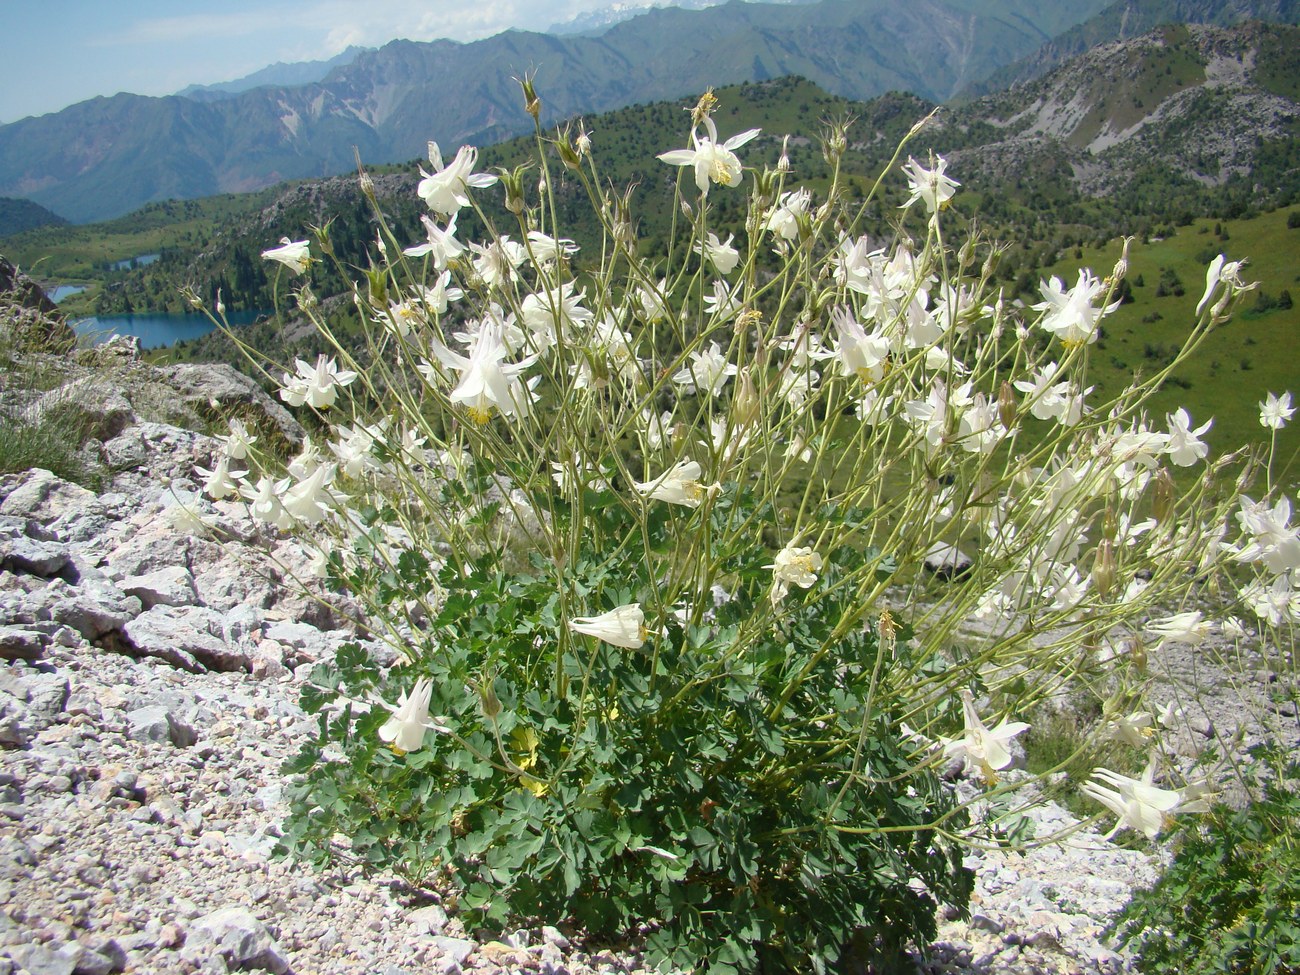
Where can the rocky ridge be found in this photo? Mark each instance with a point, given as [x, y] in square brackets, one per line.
[1195, 97]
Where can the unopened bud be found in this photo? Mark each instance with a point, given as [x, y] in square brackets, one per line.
[323, 237]
[1007, 405]
[1103, 568]
[991, 265]
[377, 285]
[1137, 653]
[1110, 523]
[745, 406]
[835, 140]
[783, 164]
[488, 700]
[1162, 501]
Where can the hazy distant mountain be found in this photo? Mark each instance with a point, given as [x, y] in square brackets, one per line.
[279, 74]
[107, 156]
[600, 20]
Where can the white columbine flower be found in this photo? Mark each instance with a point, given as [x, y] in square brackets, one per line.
[862, 355]
[317, 385]
[404, 731]
[237, 442]
[713, 162]
[1185, 445]
[1227, 273]
[622, 627]
[721, 254]
[485, 383]
[1070, 315]
[1133, 729]
[708, 372]
[497, 263]
[796, 565]
[264, 501]
[1276, 411]
[784, 220]
[442, 245]
[930, 185]
[680, 485]
[293, 254]
[1272, 539]
[309, 500]
[444, 190]
[979, 745]
[442, 292]
[547, 250]
[1138, 803]
[220, 482]
[1189, 628]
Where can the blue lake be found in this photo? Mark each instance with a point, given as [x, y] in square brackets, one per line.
[155, 329]
[61, 291]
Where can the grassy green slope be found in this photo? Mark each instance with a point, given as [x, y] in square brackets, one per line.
[1255, 352]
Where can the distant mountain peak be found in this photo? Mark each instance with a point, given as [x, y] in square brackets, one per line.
[280, 74]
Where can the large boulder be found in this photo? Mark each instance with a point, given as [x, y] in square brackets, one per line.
[206, 386]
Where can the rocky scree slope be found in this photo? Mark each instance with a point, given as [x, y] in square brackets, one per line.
[1198, 102]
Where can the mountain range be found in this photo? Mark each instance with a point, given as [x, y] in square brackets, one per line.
[108, 156]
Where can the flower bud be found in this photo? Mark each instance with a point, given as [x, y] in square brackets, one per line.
[377, 286]
[1162, 501]
[745, 405]
[1103, 568]
[1110, 523]
[1137, 653]
[323, 237]
[488, 700]
[1121, 266]
[1007, 404]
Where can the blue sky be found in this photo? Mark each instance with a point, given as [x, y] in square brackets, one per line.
[57, 52]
